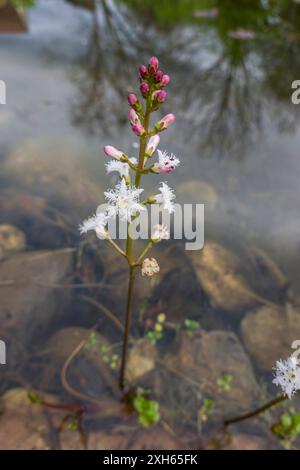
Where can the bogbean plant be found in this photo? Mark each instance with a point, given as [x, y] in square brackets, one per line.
[124, 200]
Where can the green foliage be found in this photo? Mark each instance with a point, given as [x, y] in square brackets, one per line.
[92, 341]
[191, 325]
[205, 410]
[34, 397]
[148, 410]
[73, 424]
[23, 3]
[288, 426]
[224, 383]
[108, 357]
[157, 333]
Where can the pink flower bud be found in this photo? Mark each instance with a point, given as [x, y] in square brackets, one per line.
[138, 129]
[158, 76]
[144, 87]
[132, 99]
[157, 168]
[160, 96]
[143, 71]
[152, 145]
[134, 119]
[165, 80]
[153, 64]
[113, 152]
[165, 122]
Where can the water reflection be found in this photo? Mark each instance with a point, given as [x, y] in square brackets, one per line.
[232, 71]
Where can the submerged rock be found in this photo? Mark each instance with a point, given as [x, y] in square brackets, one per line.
[192, 373]
[268, 333]
[43, 227]
[136, 439]
[30, 299]
[175, 271]
[240, 441]
[141, 360]
[58, 173]
[12, 240]
[200, 192]
[22, 425]
[28, 426]
[88, 372]
[267, 276]
[219, 272]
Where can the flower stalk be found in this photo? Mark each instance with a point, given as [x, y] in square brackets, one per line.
[124, 200]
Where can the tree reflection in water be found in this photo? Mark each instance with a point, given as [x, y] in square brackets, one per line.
[232, 71]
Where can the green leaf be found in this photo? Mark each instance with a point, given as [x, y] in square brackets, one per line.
[191, 325]
[34, 397]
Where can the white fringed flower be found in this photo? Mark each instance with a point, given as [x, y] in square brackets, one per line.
[166, 162]
[287, 376]
[150, 267]
[97, 222]
[124, 201]
[166, 197]
[161, 232]
[120, 167]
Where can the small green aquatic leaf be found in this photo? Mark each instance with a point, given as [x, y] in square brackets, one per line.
[288, 427]
[34, 397]
[224, 383]
[73, 425]
[148, 410]
[205, 410]
[161, 317]
[154, 336]
[191, 325]
[92, 341]
[286, 420]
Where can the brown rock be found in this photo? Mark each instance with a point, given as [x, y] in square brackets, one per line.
[30, 300]
[27, 426]
[58, 173]
[87, 373]
[192, 374]
[195, 191]
[268, 333]
[219, 272]
[138, 439]
[12, 240]
[141, 360]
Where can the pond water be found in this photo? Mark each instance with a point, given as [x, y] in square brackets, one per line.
[237, 134]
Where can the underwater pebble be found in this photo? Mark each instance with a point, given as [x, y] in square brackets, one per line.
[268, 333]
[12, 240]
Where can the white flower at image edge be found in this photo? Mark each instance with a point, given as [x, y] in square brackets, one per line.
[124, 201]
[166, 197]
[287, 376]
[120, 167]
[97, 222]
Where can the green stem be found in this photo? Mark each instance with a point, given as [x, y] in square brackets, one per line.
[147, 247]
[127, 327]
[143, 143]
[256, 412]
